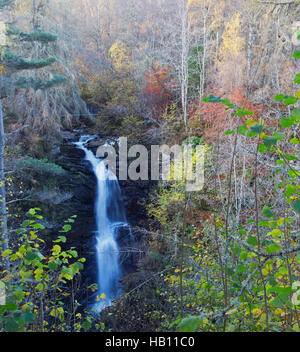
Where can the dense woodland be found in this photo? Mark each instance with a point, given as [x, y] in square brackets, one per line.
[218, 73]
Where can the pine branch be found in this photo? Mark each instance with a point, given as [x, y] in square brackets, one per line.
[24, 82]
[16, 62]
[5, 3]
[35, 36]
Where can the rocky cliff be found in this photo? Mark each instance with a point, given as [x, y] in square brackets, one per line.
[80, 183]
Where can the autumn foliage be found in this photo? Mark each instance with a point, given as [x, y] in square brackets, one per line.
[214, 118]
[157, 88]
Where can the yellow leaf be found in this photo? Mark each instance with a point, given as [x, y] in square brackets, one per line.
[251, 123]
[256, 312]
[280, 221]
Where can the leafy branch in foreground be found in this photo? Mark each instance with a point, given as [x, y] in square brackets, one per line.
[40, 282]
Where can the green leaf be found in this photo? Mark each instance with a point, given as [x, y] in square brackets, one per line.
[25, 223]
[275, 233]
[283, 295]
[86, 325]
[56, 249]
[257, 129]
[67, 273]
[6, 253]
[273, 248]
[262, 148]
[174, 323]
[242, 129]
[278, 136]
[227, 102]
[30, 256]
[31, 212]
[189, 324]
[252, 134]
[297, 78]
[296, 54]
[252, 241]
[264, 224]
[79, 265]
[296, 114]
[286, 122]
[38, 226]
[290, 190]
[241, 268]
[212, 99]
[290, 100]
[61, 239]
[66, 228]
[293, 173]
[52, 266]
[269, 142]
[10, 306]
[290, 157]
[58, 312]
[229, 132]
[73, 253]
[29, 317]
[40, 287]
[267, 212]
[279, 97]
[295, 140]
[19, 294]
[296, 206]
[12, 325]
[242, 112]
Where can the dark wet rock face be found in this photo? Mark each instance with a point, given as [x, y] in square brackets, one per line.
[81, 183]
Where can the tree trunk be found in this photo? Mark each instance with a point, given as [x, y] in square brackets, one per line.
[184, 76]
[3, 215]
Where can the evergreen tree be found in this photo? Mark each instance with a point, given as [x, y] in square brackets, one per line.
[12, 63]
[46, 106]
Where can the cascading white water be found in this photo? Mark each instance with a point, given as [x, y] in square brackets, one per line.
[110, 216]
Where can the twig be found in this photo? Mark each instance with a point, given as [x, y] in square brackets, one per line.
[18, 200]
[16, 131]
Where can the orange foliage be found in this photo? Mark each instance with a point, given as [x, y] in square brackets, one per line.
[157, 88]
[215, 120]
[157, 81]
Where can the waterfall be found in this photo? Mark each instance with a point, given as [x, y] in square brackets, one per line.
[110, 217]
